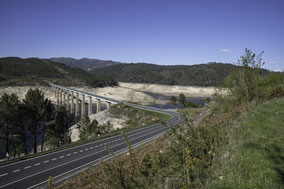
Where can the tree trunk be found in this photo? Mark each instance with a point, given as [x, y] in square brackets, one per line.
[7, 143]
[42, 141]
[25, 145]
[35, 142]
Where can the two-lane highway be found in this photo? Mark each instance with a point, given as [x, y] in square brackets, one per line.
[34, 172]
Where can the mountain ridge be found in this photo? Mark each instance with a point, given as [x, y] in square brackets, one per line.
[35, 71]
[84, 63]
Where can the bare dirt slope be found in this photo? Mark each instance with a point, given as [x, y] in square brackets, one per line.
[170, 90]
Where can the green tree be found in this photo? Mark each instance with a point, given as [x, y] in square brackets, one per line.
[242, 83]
[58, 130]
[9, 105]
[36, 106]
[173, 100]
[88, 128]
[181, 99]
[48, 115]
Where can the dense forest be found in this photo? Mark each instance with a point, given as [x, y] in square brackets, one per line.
[211, 74]
[35, 71]
[85, 63]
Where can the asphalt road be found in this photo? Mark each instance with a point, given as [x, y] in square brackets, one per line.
[34, 172]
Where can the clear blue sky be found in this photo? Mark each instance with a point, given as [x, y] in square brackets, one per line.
[160, 32]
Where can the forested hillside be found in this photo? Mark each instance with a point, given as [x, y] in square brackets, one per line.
[85, 63]
[35, 71]
[211, 74]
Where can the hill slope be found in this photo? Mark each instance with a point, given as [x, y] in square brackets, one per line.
[85, 63]
[35, 71]
[211, 74]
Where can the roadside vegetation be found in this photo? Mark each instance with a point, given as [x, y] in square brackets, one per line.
[238, 145]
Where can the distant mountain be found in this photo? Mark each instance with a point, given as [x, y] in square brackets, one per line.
[85, 63]
[35, 71]
[211, 74]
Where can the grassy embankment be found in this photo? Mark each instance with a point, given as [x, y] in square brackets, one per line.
[251, 156]
[256, 151]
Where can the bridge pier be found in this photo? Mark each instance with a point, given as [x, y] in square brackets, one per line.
[83, 107]
[60, 99]
[64, 98]
[57, 95]
[72, 102]
[68, 101]
[90, 110]
[98, 105]
[108, 105]
[77, 105]
[55, 91]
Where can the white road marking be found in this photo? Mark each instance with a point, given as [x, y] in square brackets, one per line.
[81, 150]
[27, 167]
[16, 170]
[92, 147]
[86, 149]
[105, 143]
[75, 152]
[54, 159]
[3, 174]
[97, 160]
[68, 154]
[109, 142]
[37, 164]
[46, 161]
[112, 141]
[61, 157]
[73, 161]
[100, 144]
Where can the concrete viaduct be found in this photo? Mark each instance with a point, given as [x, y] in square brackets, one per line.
[64, 95]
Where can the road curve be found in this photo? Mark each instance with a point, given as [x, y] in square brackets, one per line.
[34, 172]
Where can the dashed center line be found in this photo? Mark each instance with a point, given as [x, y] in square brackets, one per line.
[16, 170]
[75, 152]
[54, 159]
[46, 161]
[68, 154]
[81, 150]
[100, 144]
[91, 147]
[3, 174]
[36, 164]
[61, 157]
[86, 149]
[27, 167]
